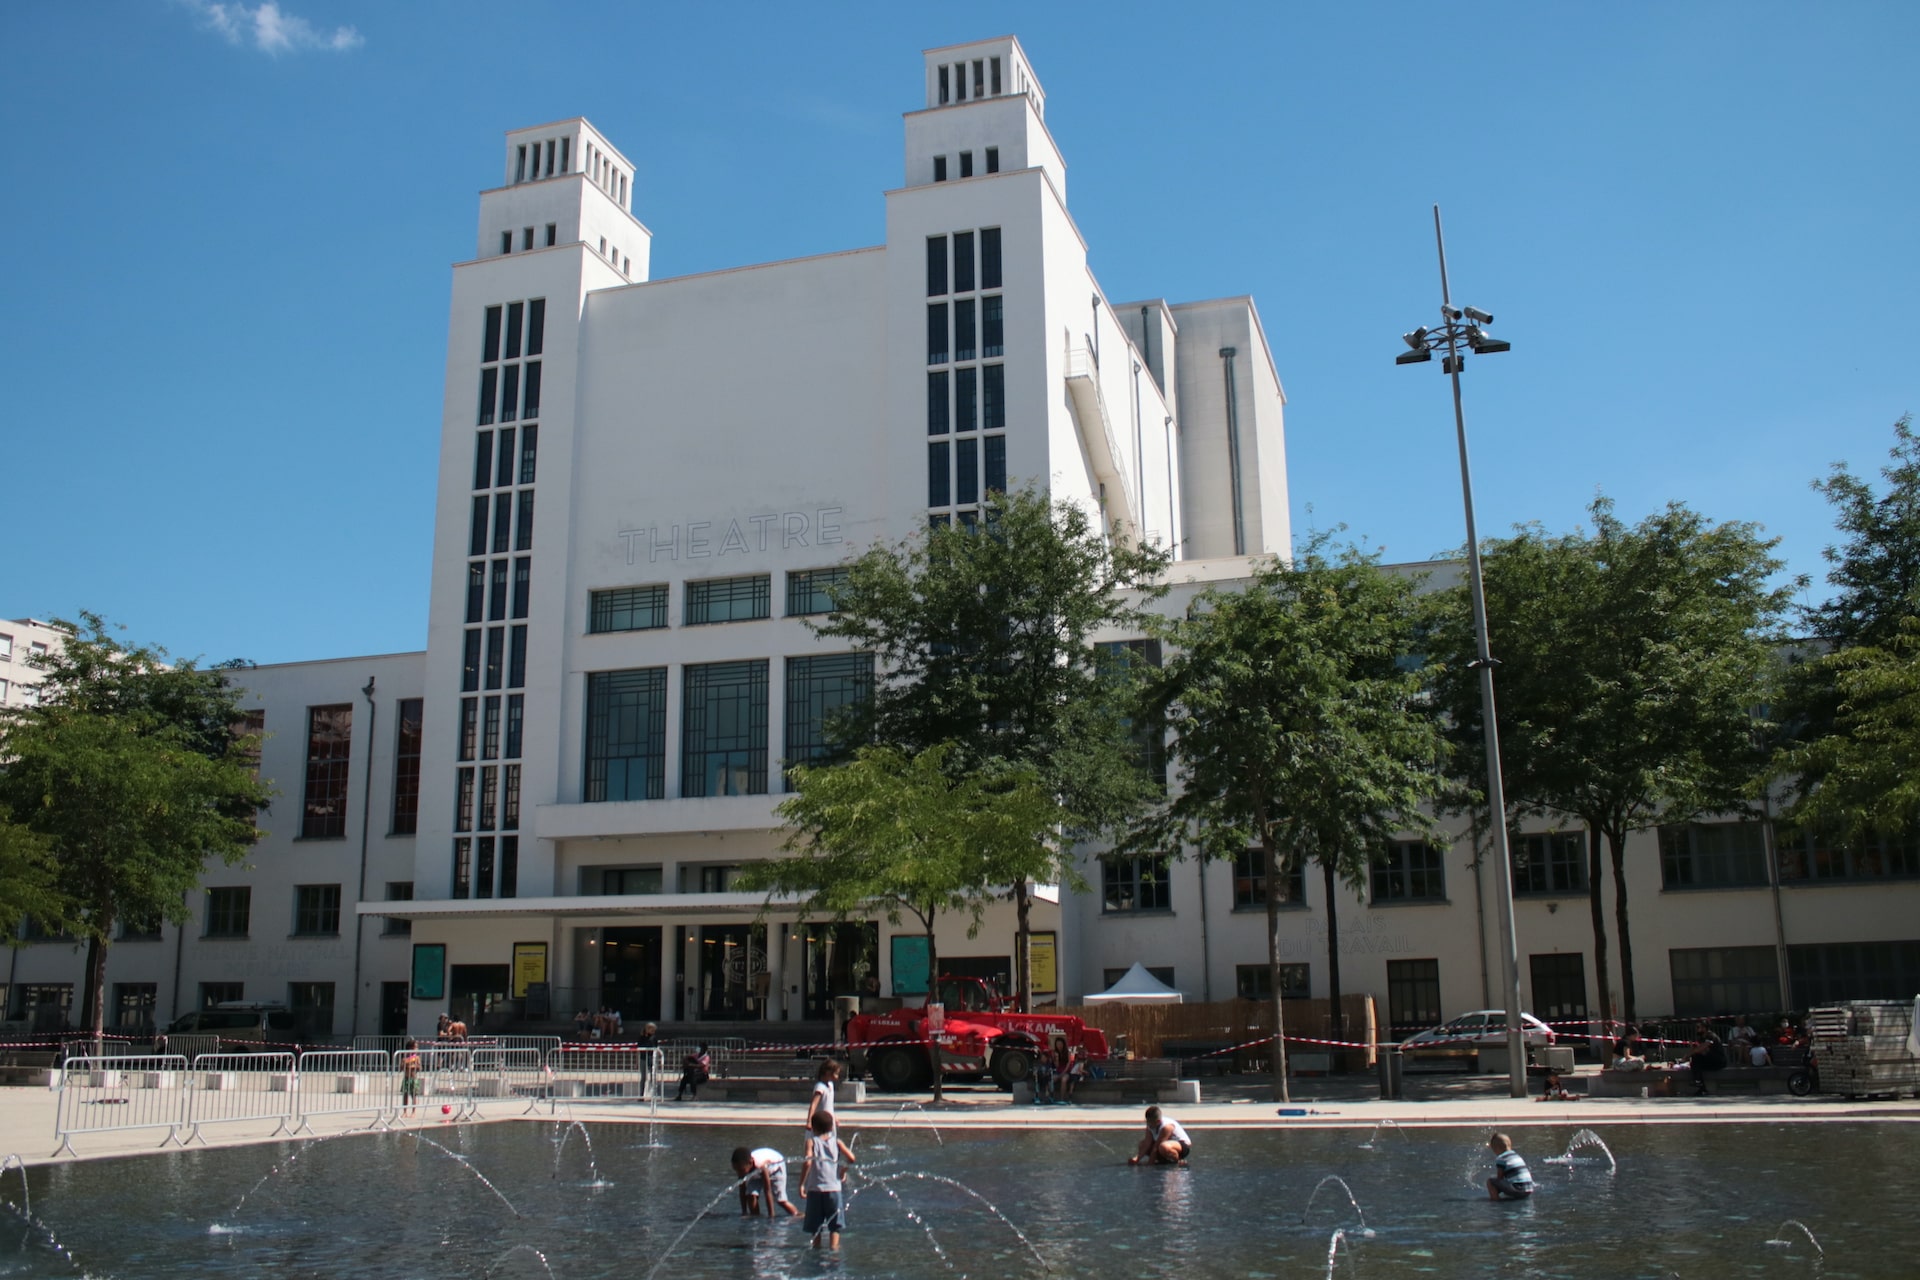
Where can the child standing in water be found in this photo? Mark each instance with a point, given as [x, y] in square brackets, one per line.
[1511, 1179]
[820, 1179]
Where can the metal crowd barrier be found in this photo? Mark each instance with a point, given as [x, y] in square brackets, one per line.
[542, 1045]
[338, 1082]
[446, 1078]
[101, 1094]
[193, 1045]
[512, 1074]
[379, 1044]
[605, 1071]
[228, 1088]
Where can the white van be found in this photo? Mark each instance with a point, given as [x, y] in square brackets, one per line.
[240, 1024]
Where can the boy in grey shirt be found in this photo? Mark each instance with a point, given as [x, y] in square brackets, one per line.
[820, 1180]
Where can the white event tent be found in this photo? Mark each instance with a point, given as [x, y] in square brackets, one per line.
[1136, 986]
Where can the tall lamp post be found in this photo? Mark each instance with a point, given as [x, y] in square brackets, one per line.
[1463, 329]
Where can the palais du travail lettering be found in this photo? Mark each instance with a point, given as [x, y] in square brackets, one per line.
[746, 535]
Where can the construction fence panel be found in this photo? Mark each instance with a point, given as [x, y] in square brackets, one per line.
[111, 1094]
[338, 1082]
[518, 1075]
[380, 1044]
[192, 1046]
[231, 1088]
[612, 1071]
[446, 1078]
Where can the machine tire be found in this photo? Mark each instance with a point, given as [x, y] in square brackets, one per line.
[898, 1070]
[1011, 1065]
[1800, 1084]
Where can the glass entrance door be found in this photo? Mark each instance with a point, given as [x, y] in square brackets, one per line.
[837, 960]
[630, 973]
[733, 971]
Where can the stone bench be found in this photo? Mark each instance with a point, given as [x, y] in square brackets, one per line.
[1676, 1082]
[769, 1089]
[1125, 1091]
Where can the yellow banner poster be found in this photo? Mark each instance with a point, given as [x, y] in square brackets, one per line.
[529, 965]
[1040, 956]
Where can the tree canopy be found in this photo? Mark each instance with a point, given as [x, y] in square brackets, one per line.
[1297, 726]
[1632, 661]
[132, 772]
[984, 639]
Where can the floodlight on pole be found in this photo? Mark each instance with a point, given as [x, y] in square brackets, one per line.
[1462, 329]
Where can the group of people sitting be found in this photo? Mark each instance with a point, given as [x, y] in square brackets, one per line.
[1707, 1052]
[1057, 1072]
[606, 1024]
[450, 1028]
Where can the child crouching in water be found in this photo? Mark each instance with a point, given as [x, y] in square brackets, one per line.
[820, 1179]
[763, 1177]
[1511, 1179]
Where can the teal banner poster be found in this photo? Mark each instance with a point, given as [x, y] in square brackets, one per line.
[909, 965]
[429, 971]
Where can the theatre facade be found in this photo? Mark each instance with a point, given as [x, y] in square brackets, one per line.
[646, 488]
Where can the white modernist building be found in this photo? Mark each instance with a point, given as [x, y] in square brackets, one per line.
[645, 487]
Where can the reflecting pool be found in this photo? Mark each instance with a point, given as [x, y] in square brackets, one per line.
[527, 1199]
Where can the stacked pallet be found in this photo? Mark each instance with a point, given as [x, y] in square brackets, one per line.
[1862, 1048]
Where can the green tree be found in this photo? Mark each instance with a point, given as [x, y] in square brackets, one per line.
[26, 877]
[984, 640]
[1296, 729]
[1861, 780]
[1876, 570]
[1632, 661]
[132, 772]
[910, 835]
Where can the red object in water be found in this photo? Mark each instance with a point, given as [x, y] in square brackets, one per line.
[446, 1110]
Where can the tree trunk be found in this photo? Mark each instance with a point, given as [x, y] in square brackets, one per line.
[933, 994]
[94, 1014]
[1337, 1029]
[1023, 946]
[1616, 845]
[1276, 888]
[1595, 873]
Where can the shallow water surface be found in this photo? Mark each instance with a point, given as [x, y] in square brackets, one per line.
[1687, 1200]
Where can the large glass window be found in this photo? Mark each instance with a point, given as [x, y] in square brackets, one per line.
[1550, 863]
[489, 394]
[1559, 986]
[628, 609]
[993, 400]
[1410, 871]
[133, 1005]
[482, 459]
[406, 767]
[1116, 659]
[939, 419]
[939, 474]
[966, 400]
[1255, 981]
[612, 881]
[536, 326]
[462, 867]
[937, 333]
[1712, 855]
[626, 734]
[1708, 981]
[316, 910]
[996, 463]
[963, 262]
[329, 740]
[490, 337]
[1135, 884]
[993, 327]
[810, 591]
[724, 730]
[1250, 881]
[229, 912]
[1808, 859]
[819, 688]
[936, 266]
[965, 336]
[990, 258]
[1832, 972]
[729, 600]
[1413, 996]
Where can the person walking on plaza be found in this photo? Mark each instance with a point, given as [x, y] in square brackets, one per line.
[825, 1081]
[410, 1079]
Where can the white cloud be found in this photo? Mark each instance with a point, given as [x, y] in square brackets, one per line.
[271, 29]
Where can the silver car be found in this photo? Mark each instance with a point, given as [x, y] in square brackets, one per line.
[1469, 1033]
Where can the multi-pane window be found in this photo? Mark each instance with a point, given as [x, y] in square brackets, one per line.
[970, 397]
[509, 866]
[463, 867]
[316, 910]
[939, 417]
[1559, 986]
[936, 266]
[1832, 972]
[497, 610]
[1250, 881]
[522, 585]
[993, 327]
[469, 727]
[1808, 859]
[463, 799]
[406, 767]
[329, 739]
[1550, 863]
[729, 599]
[939, 474]
[1712, 855]
[1135, 884]
[213, 993]
[483, 868]
[966, 400]
[624, 880]
[1715, 980]
[810, 591]
[228, 912]
[489, 797]
[490, 731]
[496, 656]
[937, 348]
[1409, 871]
[470, 662]
[476, 591]
[996, 463]
[724, 730]
[133, 1005]
[1122, 660]
[1413, 996]
[819, 689]
[990, 258]
[398, 891]
[966, 342]
[963, 262]
[516, 718]
[140, 928]
[510, 798]
[627, 609]
[626, 756]
[1255, 981]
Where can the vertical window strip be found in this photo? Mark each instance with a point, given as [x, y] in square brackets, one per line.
[463, 799]
[939, 484]
[530, 434]
[966, 396]
[496, 640]
[516, 715]
[482, 459]
[939, 418]
[523, 529]
[489, 393]
[329, 748]
[509, 866]
[517, 659]
[990, 258]
[503, 475]
[476, 590]
[502, 521]
[462, 868]
[497, 611]
[514, 311]
[490, 733]
[408, 742]
[936, 266]
[469, 724]
[470, 662]
[963, 262]
[477, 536]
[483, 867]
[490, 336]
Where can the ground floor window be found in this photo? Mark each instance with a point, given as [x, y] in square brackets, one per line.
[1413, 995]
[133, 1005]
[1255, 981]
[312, 1004]
[1715, 980]
[45, 1006]
[213, 993]
[1831, 972]
[1559, 986]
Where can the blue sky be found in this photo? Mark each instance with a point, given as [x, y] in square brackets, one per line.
[228, 233]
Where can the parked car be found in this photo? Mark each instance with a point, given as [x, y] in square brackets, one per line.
[1467, 1034]
[240, 1024]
